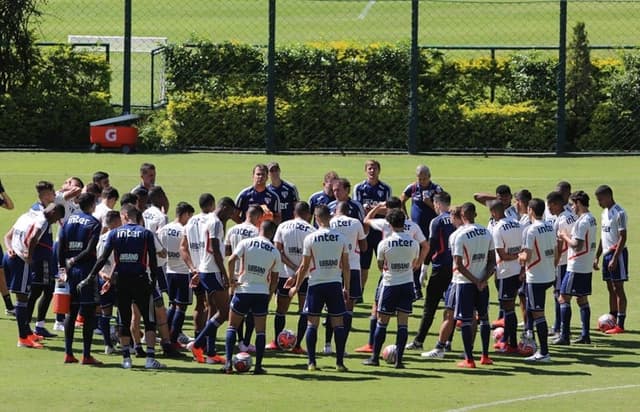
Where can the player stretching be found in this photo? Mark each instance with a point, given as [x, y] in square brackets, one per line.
[615, 258]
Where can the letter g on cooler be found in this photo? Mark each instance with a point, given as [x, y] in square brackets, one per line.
[111, 134]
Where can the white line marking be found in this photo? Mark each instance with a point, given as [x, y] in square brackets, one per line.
[548, 395]
[366, 9]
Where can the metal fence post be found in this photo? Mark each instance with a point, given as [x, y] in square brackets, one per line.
[271, 81]
[413, 79]
[561, 131]
[126, 76]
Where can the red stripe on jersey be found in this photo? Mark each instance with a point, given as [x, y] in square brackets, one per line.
[312, 265]
[466, 257]
[586, 248]
[535, 262]
[29, 235]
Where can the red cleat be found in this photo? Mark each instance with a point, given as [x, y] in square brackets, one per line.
[90, 360]
[198, 353]
[272, 345]
[35, 338]
[365, 349]
[298, 351]
[509, 350]
[499, 323]
[215, 360]
[499, 346]
[28, 343]
[467, 363]
[614, 331]
[485, 360]
[70, 359]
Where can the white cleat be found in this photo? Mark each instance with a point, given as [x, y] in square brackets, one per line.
[58, 326]
[152, 363]
[539, 358]
[126, 363]
[327, 349]
[434, 354]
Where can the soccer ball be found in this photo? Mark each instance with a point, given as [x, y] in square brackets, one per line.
[606, 322]
[390, 353]
[527, 347]
[498, 333]
[242, 362]
[286, 339]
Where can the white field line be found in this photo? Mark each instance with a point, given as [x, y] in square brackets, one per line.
[366, 10]
[544, 396]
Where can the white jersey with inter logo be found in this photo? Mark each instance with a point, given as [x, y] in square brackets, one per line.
[102, 243]
[193, 231]
[507, 235]
[473, 243]
[70, 207]
[154, 219]
[564, 222]
[170, 236]
[410, 227]
[238, 233]
[614, 221]
[26, 227]
[397, 251]
[325, 247]
[353, 231]
[291, 235]
[211, 229]
[581, 260]
[540, 239]
[258, 259]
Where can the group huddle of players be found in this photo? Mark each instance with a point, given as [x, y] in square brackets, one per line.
[319, 251]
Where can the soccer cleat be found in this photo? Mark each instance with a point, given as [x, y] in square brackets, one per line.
[447, 347]
[70, 359]
[614, 331]
[35, 337]
[126, 363]
[499, 346]
[436, 353]
[198, 353]
[10, 312]
[298, 351]
[249, 348]
[508, 350]
[90, 360]
[538, 357]
[560, 340]
[399, 365]
[467, 363]
[327, 349]
[499, 323]
[259, 371]
[227, 370]
[152, 363]
[140, 353]
[108, 350]
[414, 346]
[371, 362]
[365, 349]
[582, 340]
[58, 326]
[28, 343]
[485, 360]
[215, 360]
[44, 332]
[552, 332]
[184, 339]
[312, 367]
[341, 368]
[79, 321]
[270, 346]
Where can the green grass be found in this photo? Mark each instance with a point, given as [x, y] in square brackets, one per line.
[36, 379]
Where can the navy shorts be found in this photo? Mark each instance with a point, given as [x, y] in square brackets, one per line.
[470, 299]
[398, 298]
[43, 272]
[156, 295]
[88, 295]
[373, 238]
[508, 287]
[536, 296]
[304, 287]
[355, 285]
[329, 294]
[450, 297]
[162, 280]
[256, 303]
[5, 267]
[576, 284]
[179, 290]
[561, 271]
[376, 295]
[20, 276]
[280, 289]
[107, 299]
[621, 273]
[211, 282]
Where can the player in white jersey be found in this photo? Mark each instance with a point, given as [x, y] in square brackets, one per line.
[564, 188]
[474, 263]
[257, 280]
[563, 220]
[503, 194]
[522, 204]
[20, 243]
[538, 256]
[237, 233]
[326, 262]
[108, 199]
[289, 239]
[507, 239]
[398, 257]
[577, 281]
[615, 258]
[67, 194]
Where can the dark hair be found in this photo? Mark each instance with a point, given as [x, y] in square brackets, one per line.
[44, 185]
[130, 211]
[468, 210]
[564, 186]
[503, 190]
[140, 191]
[255, 211]
[98, 176]
[93, 189]
[604, 190]
[442, 197]
[342, 208]
[497, 206]
[301, 208]
[344, 183]
[157, 195]
[268, 228]
[206, 200]
[396, 218]
[128, 199]
[184, 207]
[110, 193]
[394, 202]
[580, 196]
[555, 197]
[226, 202]
[524, 195]
[322, 212]
[86, 201]
[78, 181]
[111, 216]
[263, 167]
[537, 205]
[145, 167]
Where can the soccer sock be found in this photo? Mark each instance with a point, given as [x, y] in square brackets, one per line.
[302, 326]
[341, 340]
[21, 319]
[261, 341]
[229, 344]
[87, 330]
[106, 332]
[467, 339]
[401, 340]
[485, 332]
[585, 315]
[249, 326]
[176, 325]
[348, 321]
[210, 329]
[373, 321]
[543, 331]
[43, 305]
[126, 351]
[378, 339]
[7, 301]
[328, 332]
[240, 331]
[278, 323]
[558, 319]
[69, 329]
[151, 352]
[60, 317]
[529, 321]
[510, 328]
[312, 338]
[171, 313]
[565, 313]
[440, 345]
[501, 313]
[620, 319]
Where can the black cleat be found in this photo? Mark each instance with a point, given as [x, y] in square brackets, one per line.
[227, 370]
[259, 370]
[561, 341]
[583, 340]
[140, 353]
[399, 365]
[371, 362]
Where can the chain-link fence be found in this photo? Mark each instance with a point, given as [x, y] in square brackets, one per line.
[411, 75]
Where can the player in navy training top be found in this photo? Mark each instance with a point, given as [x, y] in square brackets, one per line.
[77, 241]
[341, 189]
[258, 194]
[325, 196]
[421, 193]
[286, 191]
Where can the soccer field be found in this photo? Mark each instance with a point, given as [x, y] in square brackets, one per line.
[586, 377]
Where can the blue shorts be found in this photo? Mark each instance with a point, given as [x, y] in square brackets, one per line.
[376, 295]
[398, 298]
[88, 295]
[329, 294]
[156, 295]
[256, 303]
[536, 296]
[576, 284]
[5, 267]
[561, 271]
[108, 299]
[43, 272]
[280, 289]
[304, 287]
[373, 238]
[450, 297]
[162, 280]
[470, 299]
[508, 287]
[179, 290]
[211, 282]
[621, 273]
[355, 285]
[20, 276]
